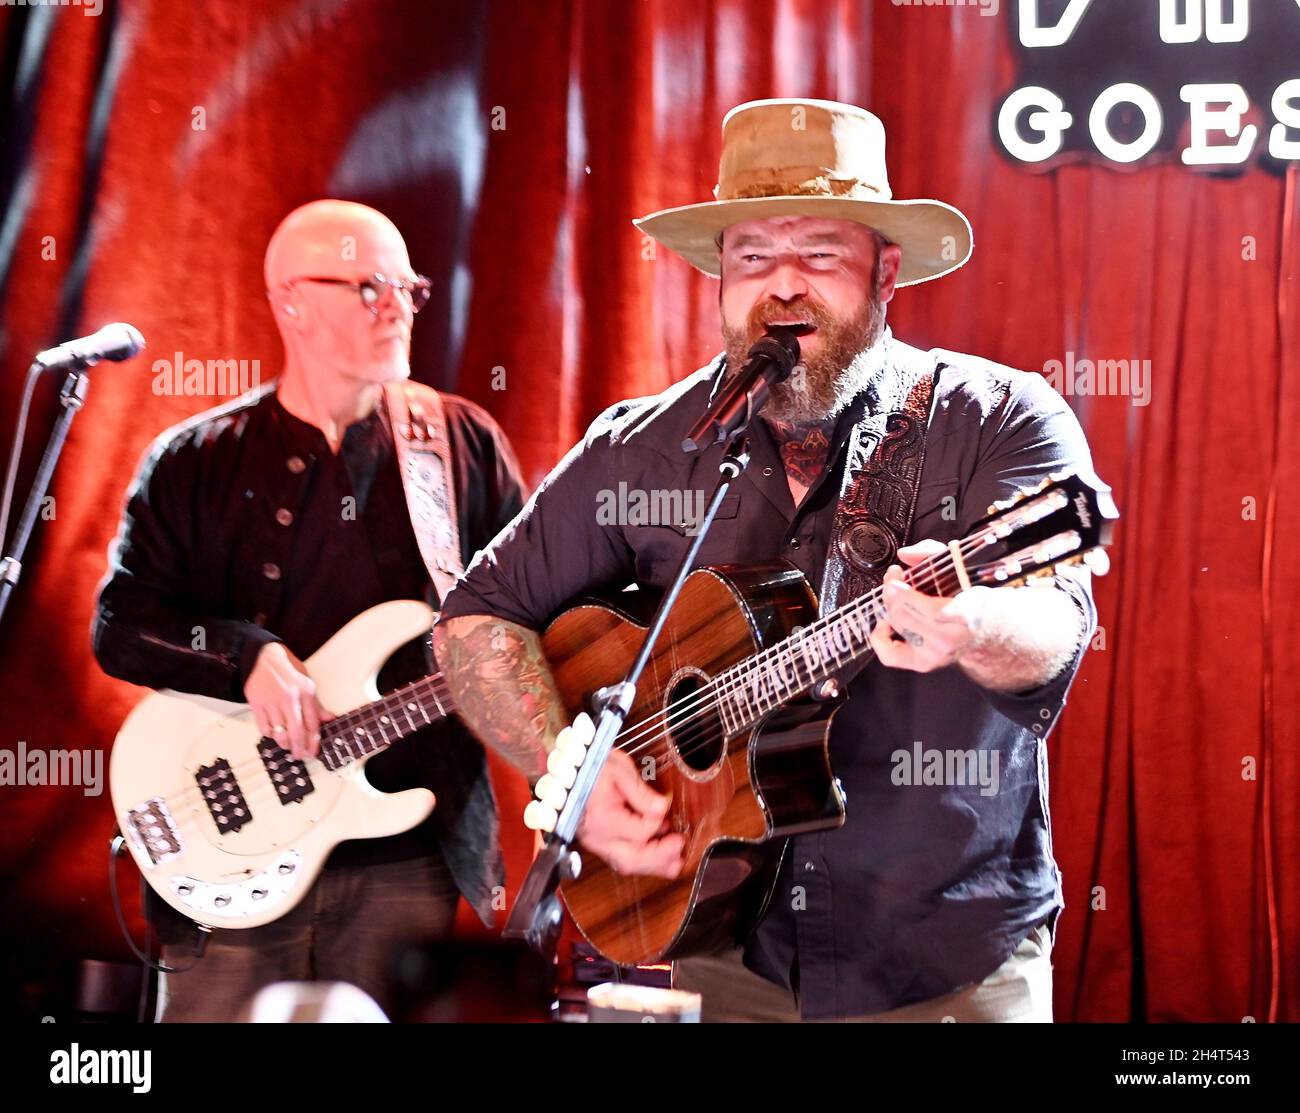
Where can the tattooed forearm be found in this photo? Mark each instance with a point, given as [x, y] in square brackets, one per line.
[502, 686]
[1026, 637]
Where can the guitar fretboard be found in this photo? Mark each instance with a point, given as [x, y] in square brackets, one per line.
[376, 726]
[749, 690]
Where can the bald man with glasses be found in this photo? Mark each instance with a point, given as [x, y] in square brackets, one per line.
[268, 524]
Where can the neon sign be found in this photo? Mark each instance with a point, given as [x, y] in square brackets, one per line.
[1124, 79]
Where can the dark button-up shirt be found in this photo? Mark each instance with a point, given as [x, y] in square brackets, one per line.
[242, 527]
[926, 887]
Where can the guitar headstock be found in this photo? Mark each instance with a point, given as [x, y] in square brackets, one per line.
[1068, 519]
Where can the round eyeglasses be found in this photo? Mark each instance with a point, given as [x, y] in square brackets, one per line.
[371, 290]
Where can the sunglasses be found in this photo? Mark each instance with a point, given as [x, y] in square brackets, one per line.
[371, 290]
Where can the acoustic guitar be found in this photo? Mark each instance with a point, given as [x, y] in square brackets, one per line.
[733, 713]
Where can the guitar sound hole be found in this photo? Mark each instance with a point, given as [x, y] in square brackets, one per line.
[693, 722]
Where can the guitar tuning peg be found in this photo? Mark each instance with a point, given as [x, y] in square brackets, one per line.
[566, 743]
[1097, 561]
[552, 789]
[573, 740]
[561, 767]
[540, 817]
[551, 792]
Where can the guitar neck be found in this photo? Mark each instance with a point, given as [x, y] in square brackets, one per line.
[376, 726]
[753, 687]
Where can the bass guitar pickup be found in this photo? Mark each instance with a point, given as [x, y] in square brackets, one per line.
[288, 774]
[223, 796]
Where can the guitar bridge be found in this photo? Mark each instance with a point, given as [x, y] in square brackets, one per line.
[151, 828]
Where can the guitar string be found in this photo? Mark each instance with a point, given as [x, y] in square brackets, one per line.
[841, 614]
[940, 563]
[262, 790]
[258, 790]
[660, 725]
[695, 704]
[705, 701]
[666, 727]
[714, 730]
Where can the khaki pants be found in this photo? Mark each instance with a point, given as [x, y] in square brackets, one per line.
[1018, 990]
[347, 929]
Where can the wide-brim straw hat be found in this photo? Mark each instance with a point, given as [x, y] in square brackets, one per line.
[812, 158]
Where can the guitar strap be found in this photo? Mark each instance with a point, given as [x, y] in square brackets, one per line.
[419, 423]
[881, 475]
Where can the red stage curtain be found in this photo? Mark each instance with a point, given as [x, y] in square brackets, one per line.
[513, 142]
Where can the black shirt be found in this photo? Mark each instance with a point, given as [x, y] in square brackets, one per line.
[925, 888]
[353, 548]
[242, 528]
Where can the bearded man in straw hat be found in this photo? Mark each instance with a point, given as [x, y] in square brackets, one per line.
[933, 900]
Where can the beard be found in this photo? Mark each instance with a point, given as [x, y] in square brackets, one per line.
[822, 384]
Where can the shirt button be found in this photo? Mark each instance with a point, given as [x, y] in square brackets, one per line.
[284, 517]
[296, 465]
[271, 571]
[794, 542]
[809, 867]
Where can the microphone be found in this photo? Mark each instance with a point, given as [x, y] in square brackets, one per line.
[114, 342]
[769, 362]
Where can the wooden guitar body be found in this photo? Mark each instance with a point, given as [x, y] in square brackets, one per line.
[723, 722]
[731, 791]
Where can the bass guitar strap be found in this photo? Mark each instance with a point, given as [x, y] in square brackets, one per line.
[419, 423]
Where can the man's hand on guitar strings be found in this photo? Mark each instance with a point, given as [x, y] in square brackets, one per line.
[627, 824]
[1008, 639]
[925, 632]
[283, 700]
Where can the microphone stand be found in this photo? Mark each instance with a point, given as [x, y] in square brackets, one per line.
[536, 915]
[72, 397]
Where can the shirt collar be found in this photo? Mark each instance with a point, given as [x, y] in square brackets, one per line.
[370, 432]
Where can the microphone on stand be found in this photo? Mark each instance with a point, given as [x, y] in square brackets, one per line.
[114, 342]
[769, 362]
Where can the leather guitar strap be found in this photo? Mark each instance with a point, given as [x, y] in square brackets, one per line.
[881, 476]
[878, 492]
[419, 424]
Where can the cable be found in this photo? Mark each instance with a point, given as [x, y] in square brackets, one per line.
[201, 943]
